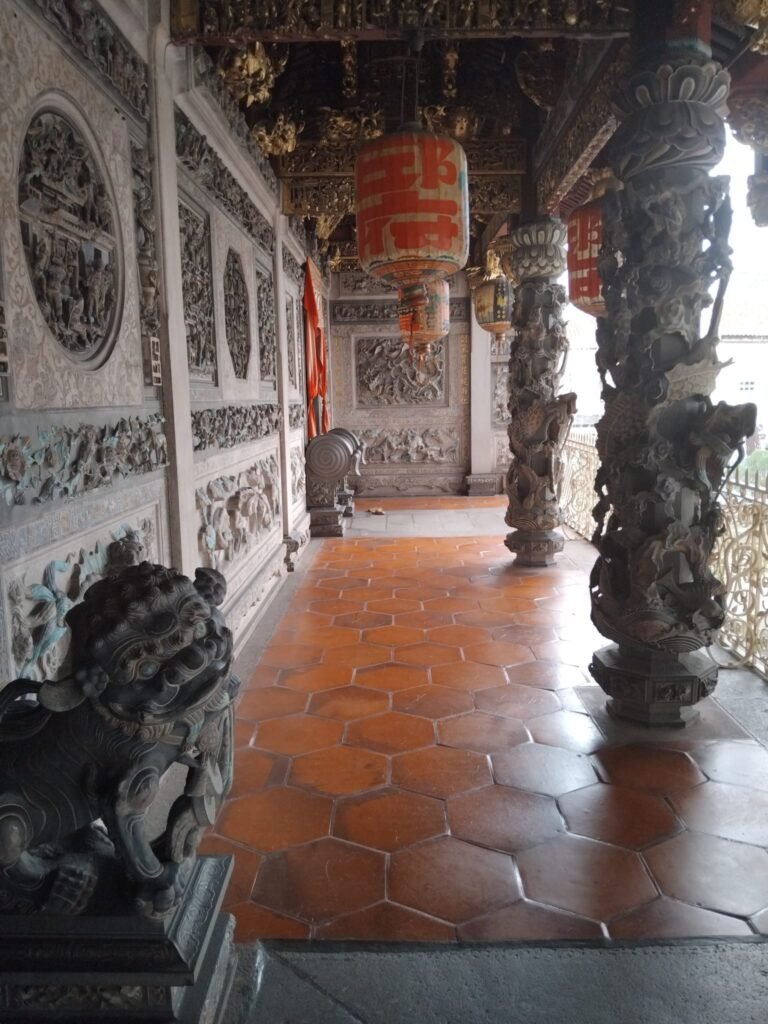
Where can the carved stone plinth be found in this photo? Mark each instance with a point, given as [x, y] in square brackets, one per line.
[535, 547]
[540, 417]
[480, 484]
[107, 968]
[651, 688]
[328, 522]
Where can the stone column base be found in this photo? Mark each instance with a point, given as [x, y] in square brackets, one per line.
[535, 547]
[653, 689]
[480, 484]
[327, 522]
[109, 968]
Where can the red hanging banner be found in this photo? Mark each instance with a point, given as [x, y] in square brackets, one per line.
[315, 351]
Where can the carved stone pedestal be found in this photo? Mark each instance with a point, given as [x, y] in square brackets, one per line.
[480, 484]
[130, 968]
[653, 689]
[328, 522]
[535, 548]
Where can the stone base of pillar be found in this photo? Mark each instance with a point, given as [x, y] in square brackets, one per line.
[109, 968]
[347, 500]
[535, 547]
[327, 522]
[479, 484]
[653, 689]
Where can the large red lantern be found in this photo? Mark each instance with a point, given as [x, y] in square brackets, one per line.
[585, 237]
[412, 209]
[425, 323]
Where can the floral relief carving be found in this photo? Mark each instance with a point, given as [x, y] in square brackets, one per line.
[69, 233]
[63, 462]
[39, 636]
[236, 511]
[386, 373]
[196, 281]
[290, 331]
[230, 425]
[291, 266]
[432, 445]
[237, 320]
[500, 410]
[265, 312]
[146, 256]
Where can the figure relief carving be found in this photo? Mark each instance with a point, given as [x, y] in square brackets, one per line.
[386, 373]
[236, 511]
[230, 425]
[298, 476]
[291, 266]
[196, 280]
[432, 445]
[237, 317]
[296, 416]
[290, 332]
[150, 686]
[265, 312]
[71, 238]
[500, 411]
[146, 256]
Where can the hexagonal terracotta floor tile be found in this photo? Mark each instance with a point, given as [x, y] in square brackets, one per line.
[262, 675]
[432, 701]
[541, 769]
[349, 702]
[328, 636]
[391, 733]
[458, 636]
[468, 675]
[275, 818]
[711, 872]
[243, 732]
[394, 605]
[291, 655]
[721, 809]
[440, 771]
[422, 620]
[525, 635]
[427, 654]
[548, 675]
[615, 814]
[586, 877]
[272, 702]
[670, 919]
[297, 735]
[389, 819]
[451, 879]
[339, 770]
[253, 923]
[386, 922]
[646, 767]
[363, 620]
[743, 764]
[394, 636]
[393, 676]
[482, 732]
[567, 729]
[451, 605]
[321, 880]
[485, 619]
[529, 921]
[496, 652]
[254, 770]
[357, 656]
[503, 818]
[515, 701]
[322, 677]
[335, 606]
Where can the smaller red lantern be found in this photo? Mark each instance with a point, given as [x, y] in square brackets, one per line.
[424, 323]
[585, 238]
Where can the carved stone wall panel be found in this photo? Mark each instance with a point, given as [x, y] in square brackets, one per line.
[197, 285]
[350, 284]
[38, 77]
[265, 313]
[290, 337]
[146, 256]
[500, 394]
[298, 476]
[227, 426]
[48, 564]
[237, 321]
[386, 373]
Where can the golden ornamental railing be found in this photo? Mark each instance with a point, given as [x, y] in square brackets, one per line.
[740, 557]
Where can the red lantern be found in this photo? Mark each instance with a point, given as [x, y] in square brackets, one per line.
[427, 322]
[494, 299]
[412, 209]
[585, 236]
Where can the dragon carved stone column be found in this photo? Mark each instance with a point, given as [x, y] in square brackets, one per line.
[664, 446]
[540, 419]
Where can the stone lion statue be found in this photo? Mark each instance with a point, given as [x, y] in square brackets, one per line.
[81, 759]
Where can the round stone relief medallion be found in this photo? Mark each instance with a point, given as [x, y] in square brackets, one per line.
[70, 233]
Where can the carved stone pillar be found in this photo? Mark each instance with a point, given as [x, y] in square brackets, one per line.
[534, 256]
[664, 447]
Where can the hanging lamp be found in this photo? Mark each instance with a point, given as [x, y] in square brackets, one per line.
[585, 239]
[493, 297]
[424, 324]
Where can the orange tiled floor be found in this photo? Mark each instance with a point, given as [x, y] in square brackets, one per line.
[415, 761]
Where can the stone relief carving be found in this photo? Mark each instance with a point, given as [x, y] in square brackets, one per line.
[265, 312]
[196, 280]
[237, 318]
[208, 171]
[71, 238]
[207, 75]
[296, 416]
[503, 454]
[351, 283]
[500, 410]
[500, 346]
[291, 267]
[230, 425]
[146, 256]
[290, 331]
[386, 373]
[298, 475]
[64, 462]
[431, 445]
[236, 511]
[4, 364]
[96, 38]
[40, 638]
[406, 484]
